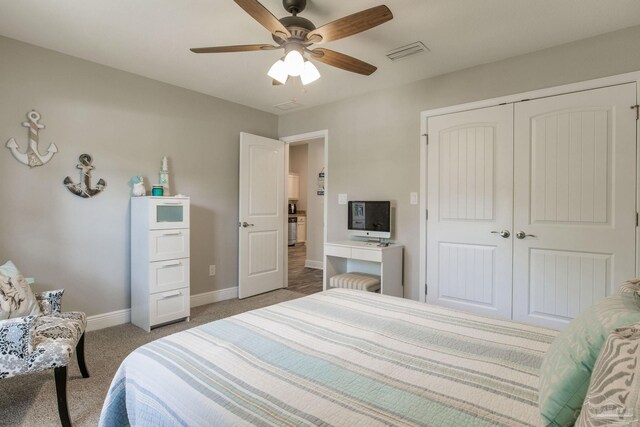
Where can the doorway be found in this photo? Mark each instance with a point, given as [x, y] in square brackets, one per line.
[306, 225]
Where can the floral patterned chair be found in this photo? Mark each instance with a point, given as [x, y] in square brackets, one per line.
[38, 342]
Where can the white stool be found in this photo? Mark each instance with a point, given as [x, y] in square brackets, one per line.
[360, 281]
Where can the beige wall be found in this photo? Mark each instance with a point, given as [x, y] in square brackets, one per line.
[374, 138]
[127, 123]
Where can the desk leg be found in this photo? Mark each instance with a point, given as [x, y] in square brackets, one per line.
[391, 275]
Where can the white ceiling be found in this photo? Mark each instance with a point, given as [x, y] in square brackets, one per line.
[152, 38]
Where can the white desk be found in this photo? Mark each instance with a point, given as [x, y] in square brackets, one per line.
[350, 256]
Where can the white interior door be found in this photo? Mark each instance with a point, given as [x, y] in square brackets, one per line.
[262, 213]
[470, 202]
[575, 162]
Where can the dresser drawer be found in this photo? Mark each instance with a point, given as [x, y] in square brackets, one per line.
[339, 251]
[366, 254]
[168, 275]
[168, 212]
[168, 244]
[168, 306]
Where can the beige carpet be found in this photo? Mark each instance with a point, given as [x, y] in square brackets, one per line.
[30, 400]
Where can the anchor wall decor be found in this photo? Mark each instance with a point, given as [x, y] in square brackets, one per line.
[32, 157]
[83, 188]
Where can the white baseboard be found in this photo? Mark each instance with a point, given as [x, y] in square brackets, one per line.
[120, 317]
[214, 296]
[313, 264]
[105, 320]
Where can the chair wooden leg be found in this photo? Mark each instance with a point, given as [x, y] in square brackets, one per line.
[61, 391]
[80, 356]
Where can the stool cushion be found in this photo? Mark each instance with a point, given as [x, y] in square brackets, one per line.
[54, 340]
[361, 281]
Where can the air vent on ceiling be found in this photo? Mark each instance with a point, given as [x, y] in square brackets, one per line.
[289, 105]
[408, 50]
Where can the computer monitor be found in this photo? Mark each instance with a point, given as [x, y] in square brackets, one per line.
[370, 219]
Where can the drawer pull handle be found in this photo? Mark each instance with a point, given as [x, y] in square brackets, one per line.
[172, 234]
[170, 203]
[175, 264]
[172, 294]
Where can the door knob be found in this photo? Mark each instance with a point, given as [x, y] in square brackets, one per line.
[504, 233]
[521, 235]
[245, 224]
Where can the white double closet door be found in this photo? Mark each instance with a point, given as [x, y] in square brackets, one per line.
[532, 205]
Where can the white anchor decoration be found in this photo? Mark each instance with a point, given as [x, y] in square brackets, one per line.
[32, 156]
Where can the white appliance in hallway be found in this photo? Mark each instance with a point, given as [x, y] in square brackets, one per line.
[301, 229]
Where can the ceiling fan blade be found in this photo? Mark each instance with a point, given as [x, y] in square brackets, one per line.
[263, 16]
[340, 60]
[350, 25]
[238, 48]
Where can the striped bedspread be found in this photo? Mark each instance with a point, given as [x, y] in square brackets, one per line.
[337, 358]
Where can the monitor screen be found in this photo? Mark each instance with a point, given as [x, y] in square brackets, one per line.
[370, 218]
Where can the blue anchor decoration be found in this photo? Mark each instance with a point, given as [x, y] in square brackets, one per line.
[32, 157]
[83, 188]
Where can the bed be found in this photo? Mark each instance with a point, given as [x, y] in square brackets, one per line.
[340, 357]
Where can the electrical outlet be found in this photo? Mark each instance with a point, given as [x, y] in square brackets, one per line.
[413, 198]
[342, 199]
[212, 270]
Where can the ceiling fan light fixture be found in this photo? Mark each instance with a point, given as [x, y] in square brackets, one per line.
[294, 63]
[278, 71]
[310, 73]
[296, 34]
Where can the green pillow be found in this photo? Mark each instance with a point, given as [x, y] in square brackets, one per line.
[566, 368]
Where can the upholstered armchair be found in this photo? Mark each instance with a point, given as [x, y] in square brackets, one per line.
[38, 342]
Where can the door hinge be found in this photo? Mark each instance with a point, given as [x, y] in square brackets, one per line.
[637, 108]
[426, 137]
[426, 287]
[426, 216]
[636, 219]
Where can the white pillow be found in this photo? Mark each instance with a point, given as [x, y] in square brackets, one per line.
[16, 297]
[631, 285]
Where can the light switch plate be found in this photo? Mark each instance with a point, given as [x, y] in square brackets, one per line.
[413, 198]
[342, 198]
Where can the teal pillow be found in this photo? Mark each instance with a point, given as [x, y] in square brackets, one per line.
[566, 368]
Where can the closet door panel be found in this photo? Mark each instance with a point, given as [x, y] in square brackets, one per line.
[470, 194]
[574, 192]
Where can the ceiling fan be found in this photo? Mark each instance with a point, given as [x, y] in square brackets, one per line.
[296, 34]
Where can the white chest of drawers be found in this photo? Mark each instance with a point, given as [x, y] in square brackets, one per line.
[159, 260]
